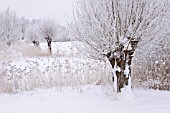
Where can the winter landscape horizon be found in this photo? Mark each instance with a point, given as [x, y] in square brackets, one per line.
[84, 56]
[61, 11]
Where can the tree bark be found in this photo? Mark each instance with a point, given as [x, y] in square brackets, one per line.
[121, 60]
[49, 47]
[119, 70]
[49, 41]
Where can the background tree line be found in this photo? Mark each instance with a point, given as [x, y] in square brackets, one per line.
[14, 28]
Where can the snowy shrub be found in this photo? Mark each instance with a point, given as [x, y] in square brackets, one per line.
[153, 70]
[51, 72]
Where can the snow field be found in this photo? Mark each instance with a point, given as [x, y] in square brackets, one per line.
[91, 99]
[66, 67]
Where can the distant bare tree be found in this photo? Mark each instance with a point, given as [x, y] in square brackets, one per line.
[33, 34]
[24, 24]
[10, 26]
[114, 29]
[48, 30]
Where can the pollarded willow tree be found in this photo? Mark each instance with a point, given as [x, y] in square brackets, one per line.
[114, 29]
[48, 30]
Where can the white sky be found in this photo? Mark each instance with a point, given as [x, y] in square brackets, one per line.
[61, 10]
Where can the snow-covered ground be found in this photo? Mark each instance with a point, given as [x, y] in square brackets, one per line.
[71, 86]
[88, 100]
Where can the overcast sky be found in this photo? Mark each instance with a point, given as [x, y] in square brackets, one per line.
[61, 10]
